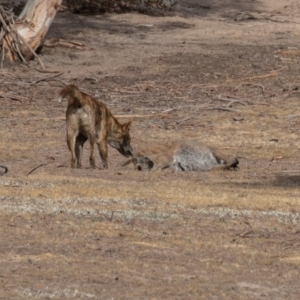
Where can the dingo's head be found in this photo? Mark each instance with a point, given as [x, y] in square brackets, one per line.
[68, 91]
[120, 140]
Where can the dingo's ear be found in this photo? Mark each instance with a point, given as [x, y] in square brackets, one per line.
[126, 126]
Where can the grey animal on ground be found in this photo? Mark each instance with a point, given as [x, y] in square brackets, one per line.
[183, 156]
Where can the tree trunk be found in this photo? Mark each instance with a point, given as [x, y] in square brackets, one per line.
[29, 29]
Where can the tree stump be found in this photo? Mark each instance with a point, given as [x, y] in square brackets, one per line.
[20, 37]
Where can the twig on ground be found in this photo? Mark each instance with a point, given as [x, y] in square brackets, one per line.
[253, 84]
[51, 79]
[54, 42]
[270, 74]
[179, 122]
[222, 108]
[95, 77]
[246, 233]
[48, 78]
[168, 110]
[232, 101]
[37, 167]
[231, 148]
[45, 71]
[247, 222]
[13, 97]
[206, 93]
[91, 79]
[111, 216]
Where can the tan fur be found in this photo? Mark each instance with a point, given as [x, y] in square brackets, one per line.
[89, 119]
[183, 156]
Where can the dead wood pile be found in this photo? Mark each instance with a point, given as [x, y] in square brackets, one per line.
[9, 37]
[12, 44]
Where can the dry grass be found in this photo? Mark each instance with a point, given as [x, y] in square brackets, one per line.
[214, 189]
[121, 234]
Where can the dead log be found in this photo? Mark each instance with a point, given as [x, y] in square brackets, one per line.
[20, 37]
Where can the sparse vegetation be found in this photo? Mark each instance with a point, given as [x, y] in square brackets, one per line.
[122, 234]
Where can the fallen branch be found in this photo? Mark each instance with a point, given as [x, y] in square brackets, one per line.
[54, 42]
[13, 97]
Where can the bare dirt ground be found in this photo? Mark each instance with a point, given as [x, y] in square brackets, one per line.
[226, 73]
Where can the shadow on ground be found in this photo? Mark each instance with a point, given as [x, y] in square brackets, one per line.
[287, 180]
[191, 8]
